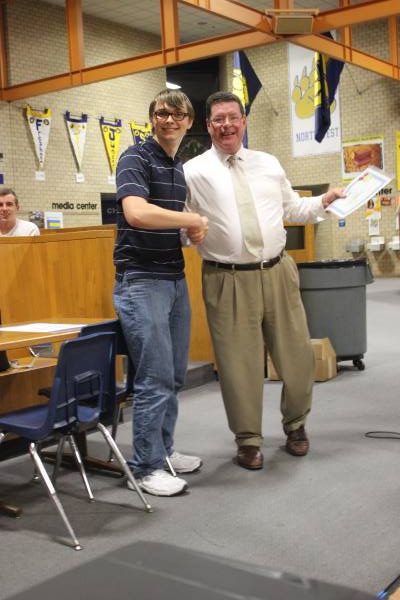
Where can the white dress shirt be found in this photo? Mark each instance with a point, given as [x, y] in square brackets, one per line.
[22, 228]
[210, 193]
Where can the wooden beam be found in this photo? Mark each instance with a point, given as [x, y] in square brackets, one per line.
[257, 33]
[283, 4]
[233, 11]
[352, 55]
[137, 64]
[169, 29]
[353, 15]
[393, 45]
[346, 40]
[73, 13]
[334, 19]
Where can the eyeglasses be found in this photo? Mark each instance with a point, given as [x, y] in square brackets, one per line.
[162, 115]
[232, 119]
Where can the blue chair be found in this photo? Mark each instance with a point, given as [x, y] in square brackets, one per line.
[123, 390]
[83, 387]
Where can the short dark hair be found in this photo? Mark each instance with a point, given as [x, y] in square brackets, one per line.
[4, 191]
[218, 97]
[174, 98]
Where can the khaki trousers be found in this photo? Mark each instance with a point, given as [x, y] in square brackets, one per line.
[249, 311]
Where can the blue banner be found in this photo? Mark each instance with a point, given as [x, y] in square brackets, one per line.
[245, 84]
[328, 72]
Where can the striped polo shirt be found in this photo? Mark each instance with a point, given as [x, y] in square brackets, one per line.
[145, 170]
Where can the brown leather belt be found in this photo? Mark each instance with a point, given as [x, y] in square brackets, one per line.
[264, 264]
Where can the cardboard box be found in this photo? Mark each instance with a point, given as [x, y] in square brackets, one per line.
[325, 361]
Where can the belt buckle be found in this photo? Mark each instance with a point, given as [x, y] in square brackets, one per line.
[264, 264]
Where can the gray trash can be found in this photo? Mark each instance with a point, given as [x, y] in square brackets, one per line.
[334, 298]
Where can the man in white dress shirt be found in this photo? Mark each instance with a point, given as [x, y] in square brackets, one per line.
[10, 225]
[252, 295]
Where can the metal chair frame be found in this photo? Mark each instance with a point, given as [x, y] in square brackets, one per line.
[83, 388]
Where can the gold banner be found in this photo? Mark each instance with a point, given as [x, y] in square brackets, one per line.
[111, 136]
[140, 133]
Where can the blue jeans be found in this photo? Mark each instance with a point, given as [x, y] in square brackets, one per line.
[155, 319]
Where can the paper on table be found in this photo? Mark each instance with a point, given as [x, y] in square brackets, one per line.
[42, 327]
[359, 191]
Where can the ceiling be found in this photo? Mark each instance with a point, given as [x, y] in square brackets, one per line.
[194, 24]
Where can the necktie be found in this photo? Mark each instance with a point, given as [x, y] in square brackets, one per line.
[252, 236]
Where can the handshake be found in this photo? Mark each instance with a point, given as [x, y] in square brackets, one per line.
[197, 233]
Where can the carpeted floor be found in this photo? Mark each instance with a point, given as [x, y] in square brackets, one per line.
[333, 515]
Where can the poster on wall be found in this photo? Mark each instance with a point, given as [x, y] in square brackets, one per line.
[374, 226]
[111, 136]
[302, 74]
[39, 124]
[77, 127]
[373, 208]
[361, 153]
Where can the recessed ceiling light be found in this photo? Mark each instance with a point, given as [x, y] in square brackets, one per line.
[173, 86]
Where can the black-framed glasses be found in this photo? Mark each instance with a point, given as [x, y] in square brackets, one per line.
[177, 115]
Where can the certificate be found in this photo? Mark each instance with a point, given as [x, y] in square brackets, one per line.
[359, 191]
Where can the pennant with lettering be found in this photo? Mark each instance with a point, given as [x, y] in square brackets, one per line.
[111, 136]
[140, 133]
[245, 82]
[39, 124]
[77, 127]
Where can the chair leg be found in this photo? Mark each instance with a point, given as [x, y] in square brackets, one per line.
[36, 476]
[117, 453]
[53, 494]
[8, 509]
[79, 462]
[58, 459]
[170, 467]
[114, 428]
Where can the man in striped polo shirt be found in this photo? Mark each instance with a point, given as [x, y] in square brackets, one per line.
[150, 295]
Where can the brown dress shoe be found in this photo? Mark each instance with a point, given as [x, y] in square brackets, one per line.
[297, 442]
[250, 457]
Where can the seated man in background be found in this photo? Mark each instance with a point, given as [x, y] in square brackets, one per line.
[9, 224]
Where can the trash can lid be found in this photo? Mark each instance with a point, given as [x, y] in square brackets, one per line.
[333, 264]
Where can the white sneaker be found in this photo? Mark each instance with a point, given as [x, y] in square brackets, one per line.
[160, 483]
[184, 463]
